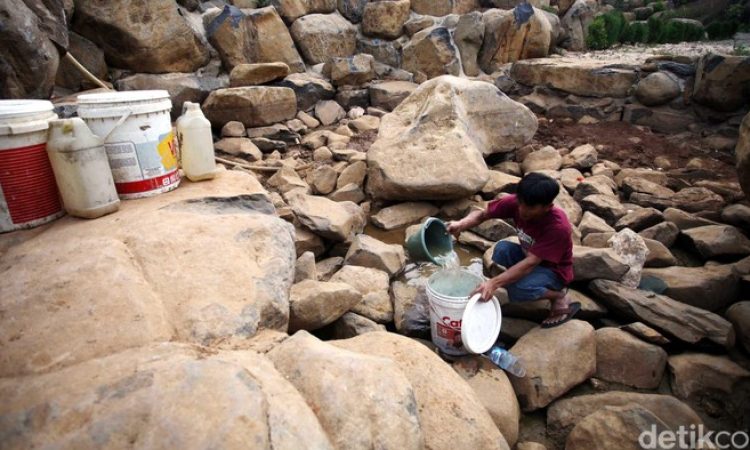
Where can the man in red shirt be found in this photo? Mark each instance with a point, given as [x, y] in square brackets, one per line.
[541, 267]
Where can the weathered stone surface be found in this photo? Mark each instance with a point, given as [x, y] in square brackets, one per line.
[90, 56]
[522, 33]
[242, 147]
[597, 263]
[363, 124]
[645, 333]
[613, 343]
[292, 10]
[658, 88]
[338, 221]
[444, 400]
[664, 232]
[309, 89]
[431, 53]
[361, 401]
[353, 10]
[304, 268]
[567, 203]
[566, 413]
[684, 322]
[253, 106]
[438, 8]
[640, 219]
[469, 36]
[582, 157]
[321, 37]
[743, 155]
[710, 287]
[722, 82]
[255, 74]
[575, 24]
[411, 314]
[595, 185]
[739, 315]
[631, 185]
[710, 383]
[440, 156]
[28, 60]
[685, 220]
[366, 251]
[546, 158]
[314, 304]
[150, 37]
[403, 214]
[233, 282]
[548, 376]
[494, 390]
[385, 19]
[500, 182]
[691, 199]
[605, 206]
[351, 325]
[238, 394]
[614, 427]
[587, 78]
[373, 285]
[353, 71]
[324, 179]
[718, 240]
[389, 94]
[593, 224]
[286, 180]
[329, 112]
[539, 310]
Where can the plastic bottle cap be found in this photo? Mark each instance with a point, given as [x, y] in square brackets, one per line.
[480, 324]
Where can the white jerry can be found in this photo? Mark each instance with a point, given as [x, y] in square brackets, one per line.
[81, 169]
[196, 144]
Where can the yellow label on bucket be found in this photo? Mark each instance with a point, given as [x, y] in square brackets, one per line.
[168, 151]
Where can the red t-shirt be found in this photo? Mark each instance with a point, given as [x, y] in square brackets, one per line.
[549, 237]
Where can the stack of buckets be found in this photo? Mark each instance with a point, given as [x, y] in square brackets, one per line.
[135, 130]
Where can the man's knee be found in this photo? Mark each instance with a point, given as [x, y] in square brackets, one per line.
[505, 253]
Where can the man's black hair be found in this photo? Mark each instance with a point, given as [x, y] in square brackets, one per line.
[537, 189]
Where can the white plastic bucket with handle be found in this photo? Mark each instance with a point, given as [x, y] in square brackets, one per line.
[137, 131]
[448, 292]
[28, 193]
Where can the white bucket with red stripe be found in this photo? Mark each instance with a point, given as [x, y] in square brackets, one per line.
[28, 193]
[137, 131]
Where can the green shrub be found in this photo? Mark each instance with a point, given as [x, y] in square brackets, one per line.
[658, 6]
[597, 36]
[677, 31]
[636, 32]
[615, 25]
[656, 28]
[723, 29]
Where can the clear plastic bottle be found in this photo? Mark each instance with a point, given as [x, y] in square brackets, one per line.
[505, 360]
[196, 143]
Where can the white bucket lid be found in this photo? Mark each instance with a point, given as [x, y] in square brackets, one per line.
[25, 116]
[114, 105]
[105, 98]
[480, 324]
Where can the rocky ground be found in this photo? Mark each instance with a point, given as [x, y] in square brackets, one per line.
[275, 306]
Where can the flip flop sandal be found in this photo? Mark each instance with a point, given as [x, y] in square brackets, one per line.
[569, 312]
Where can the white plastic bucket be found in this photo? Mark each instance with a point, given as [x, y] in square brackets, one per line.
[137, 131]
[28, 193]
[448, 293]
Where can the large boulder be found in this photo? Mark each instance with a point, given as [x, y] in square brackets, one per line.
[28, 59]
[658, 88]
[385, 19]
[403, 214]
[439, 8]
[150, 37]
[494, 390]
[432, 145]
[257, 74]
[309, 88]
[522, 33]
[366, 251]
[292, 10]
[373, 284]
[253, 36]
[615, 352]
[91, 57]
[431, 53]
[254, 106]
[711, 287]
[576, 23]
[563, 415]
[338, 221]
[353, 10]
[743, 155]
[556, 360]
[182, 87]
[718, 240]
[618, 427]
[469, 35]
[444, 400]
[597, 263]
[714, 384]
[722, 82]
[389, 94]
[684, 322]
[739, 315]
[590, 78]
[314, 304]
[236, 262]
[361, 401]
[321, 37]
[120, 401]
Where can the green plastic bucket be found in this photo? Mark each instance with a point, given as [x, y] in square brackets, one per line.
[431, 241]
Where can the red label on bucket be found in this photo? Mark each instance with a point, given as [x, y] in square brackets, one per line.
[28, 184]
[136, 187]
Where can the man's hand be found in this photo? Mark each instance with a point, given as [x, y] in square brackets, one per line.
[455, 227]
[486, 290]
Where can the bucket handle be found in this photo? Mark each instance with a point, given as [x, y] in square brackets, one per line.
[119, 122]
